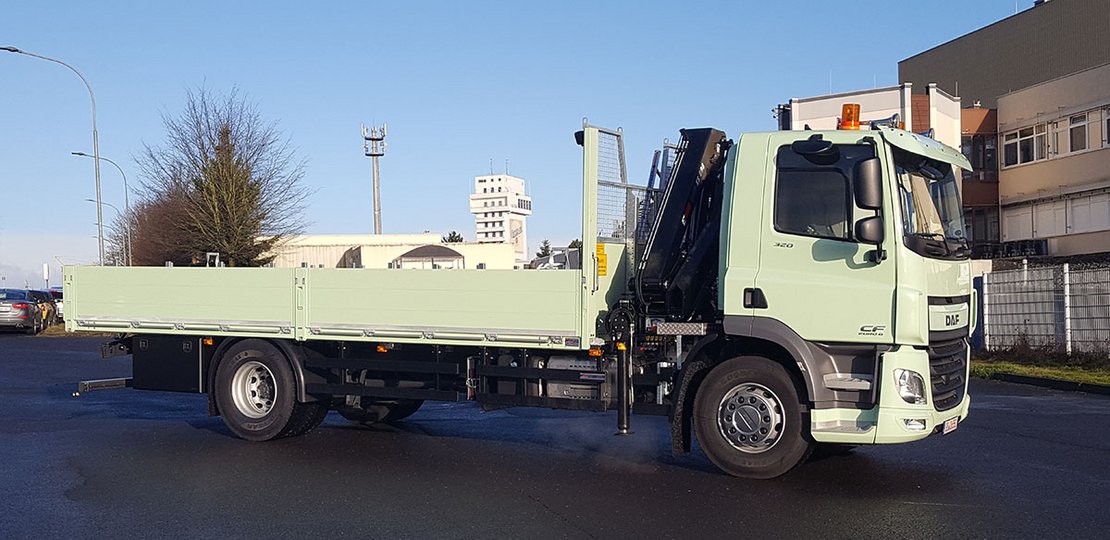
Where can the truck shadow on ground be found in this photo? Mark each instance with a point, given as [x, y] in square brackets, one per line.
[581, 441]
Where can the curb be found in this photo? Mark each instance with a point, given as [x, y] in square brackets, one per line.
[1056, 384]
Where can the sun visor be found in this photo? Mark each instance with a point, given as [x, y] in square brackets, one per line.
[924, 146]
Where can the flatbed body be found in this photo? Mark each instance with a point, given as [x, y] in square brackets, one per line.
[547, 309]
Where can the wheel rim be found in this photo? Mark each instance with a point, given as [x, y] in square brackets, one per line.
[750, 418]
[253, 389]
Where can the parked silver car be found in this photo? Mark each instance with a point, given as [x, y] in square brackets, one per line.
[19, 311]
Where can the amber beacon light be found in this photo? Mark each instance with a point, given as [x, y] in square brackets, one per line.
[849, 117]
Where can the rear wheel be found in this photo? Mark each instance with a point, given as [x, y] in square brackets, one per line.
[749, 419]
[256, 394]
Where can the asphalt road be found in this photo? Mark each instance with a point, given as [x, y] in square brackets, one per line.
[1028, 462]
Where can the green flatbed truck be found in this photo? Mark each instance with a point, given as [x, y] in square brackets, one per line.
[774, 294]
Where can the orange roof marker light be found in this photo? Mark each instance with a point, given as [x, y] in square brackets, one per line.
[849, 116]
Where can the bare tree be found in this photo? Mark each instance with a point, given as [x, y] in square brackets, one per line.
[224, 180]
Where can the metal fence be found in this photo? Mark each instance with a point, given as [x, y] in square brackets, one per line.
[1055, 307]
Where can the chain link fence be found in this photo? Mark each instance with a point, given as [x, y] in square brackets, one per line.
[1053, 307]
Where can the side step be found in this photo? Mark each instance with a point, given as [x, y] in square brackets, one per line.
[85, 387]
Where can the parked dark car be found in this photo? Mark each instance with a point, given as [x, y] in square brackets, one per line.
[45, 300]
[20, 311]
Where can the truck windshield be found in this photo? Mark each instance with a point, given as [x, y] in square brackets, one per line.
[931, 210]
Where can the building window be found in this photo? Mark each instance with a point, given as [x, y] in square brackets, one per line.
[1077, 132]
[983, 224]
[981, 151]
[1106, 127]
[1025, 145]
[1009, 150]
[1040, 140]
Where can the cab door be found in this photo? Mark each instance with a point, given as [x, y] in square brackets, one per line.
[813, 275]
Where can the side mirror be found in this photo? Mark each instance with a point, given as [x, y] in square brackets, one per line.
[869, 230]
[869, 184]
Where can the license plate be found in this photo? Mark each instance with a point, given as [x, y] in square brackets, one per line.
[950, 425]
[5, 307]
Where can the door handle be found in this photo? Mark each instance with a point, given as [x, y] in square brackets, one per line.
[754, 298]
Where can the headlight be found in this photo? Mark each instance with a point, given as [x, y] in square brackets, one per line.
[910, 386]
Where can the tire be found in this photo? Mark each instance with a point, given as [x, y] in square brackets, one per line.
[378, 412]
[311, 416]
[256, 393]
[749, 420]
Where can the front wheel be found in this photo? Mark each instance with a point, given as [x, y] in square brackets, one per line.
[256, 394]
[749, 419]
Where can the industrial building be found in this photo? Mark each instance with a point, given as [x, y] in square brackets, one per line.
[1054, 181]
[1050, 39]
[403, 251]
[1038, 86]
[935, 110]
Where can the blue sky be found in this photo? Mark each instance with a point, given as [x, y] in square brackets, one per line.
[459, 83]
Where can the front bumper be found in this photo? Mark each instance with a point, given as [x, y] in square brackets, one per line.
[893, 420]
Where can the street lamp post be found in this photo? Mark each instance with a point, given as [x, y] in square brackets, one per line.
[121, 216]
[96, 142]
[126, 200]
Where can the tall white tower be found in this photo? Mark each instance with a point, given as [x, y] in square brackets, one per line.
[500, 210]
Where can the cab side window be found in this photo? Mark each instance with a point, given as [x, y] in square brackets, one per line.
[813, 194]
[812, 203]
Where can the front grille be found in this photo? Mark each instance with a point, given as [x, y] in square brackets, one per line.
[948, 373]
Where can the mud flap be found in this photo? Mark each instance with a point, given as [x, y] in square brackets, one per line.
[681, 430]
